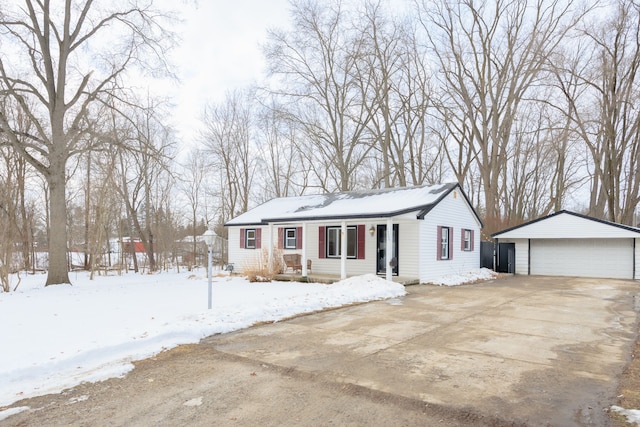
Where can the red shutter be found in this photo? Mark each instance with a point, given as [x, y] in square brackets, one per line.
[242, 238]
[462, 233]
[450, 242]
[361, 233]
[280, 237]
[321, 243]
[258, 238]
[439, 245]
[472, 240]
[299, 238]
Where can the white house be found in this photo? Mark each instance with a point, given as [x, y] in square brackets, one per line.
[417, 233]
[569, 244]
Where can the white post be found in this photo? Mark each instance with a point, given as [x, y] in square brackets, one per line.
[305, 273]
[343, 250]
[389, 249]
[270, 266]
[209, 250]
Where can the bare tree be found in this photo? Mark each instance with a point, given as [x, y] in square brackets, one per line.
[58, 61]
[227, 140]
[284, 169]
[145, 143]
[325, 82]
[192, 186]
[490, 56]
[602, 87]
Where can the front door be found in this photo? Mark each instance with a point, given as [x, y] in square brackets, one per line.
[381, 247]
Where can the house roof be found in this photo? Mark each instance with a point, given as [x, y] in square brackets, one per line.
[387, 202]
[567, 224]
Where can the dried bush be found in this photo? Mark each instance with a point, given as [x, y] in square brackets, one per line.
[259, 270]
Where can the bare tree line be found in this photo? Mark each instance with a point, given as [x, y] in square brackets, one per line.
[531, 105]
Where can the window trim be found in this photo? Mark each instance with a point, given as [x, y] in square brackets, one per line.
[351, 230]
[287, 240]
[467, 243]
[247, 239]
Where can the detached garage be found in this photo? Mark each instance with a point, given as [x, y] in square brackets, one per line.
[570, 244]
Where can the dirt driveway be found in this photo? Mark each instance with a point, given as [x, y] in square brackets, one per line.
[521, 350]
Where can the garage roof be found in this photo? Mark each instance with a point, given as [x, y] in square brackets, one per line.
[568, 225]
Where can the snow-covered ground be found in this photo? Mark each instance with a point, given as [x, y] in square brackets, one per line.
[59, 336]
[472, 276]
[632, 415]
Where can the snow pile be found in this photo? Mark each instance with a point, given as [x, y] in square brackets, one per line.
[472, 276]
[632, 415]
[57, 337]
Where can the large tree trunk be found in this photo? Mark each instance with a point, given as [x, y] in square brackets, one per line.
[58, 267]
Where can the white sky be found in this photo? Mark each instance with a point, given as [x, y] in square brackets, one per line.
[220, 51]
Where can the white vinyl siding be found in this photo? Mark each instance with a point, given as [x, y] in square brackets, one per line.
[243, 257]
[611, 258]
[454, 212]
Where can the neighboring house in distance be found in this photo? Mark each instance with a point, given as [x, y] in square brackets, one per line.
[412, 232]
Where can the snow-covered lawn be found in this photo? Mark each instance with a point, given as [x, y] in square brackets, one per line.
[59, 336]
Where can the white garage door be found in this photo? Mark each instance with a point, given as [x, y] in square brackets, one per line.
[583, 257]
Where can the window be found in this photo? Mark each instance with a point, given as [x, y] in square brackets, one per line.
[445, 250]
[334, 242]
[467, 238]
[250, 238]
[290, 238]
[444, 243]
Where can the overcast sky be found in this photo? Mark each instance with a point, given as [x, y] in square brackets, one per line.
[220, 51]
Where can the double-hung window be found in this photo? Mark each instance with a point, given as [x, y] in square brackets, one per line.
[250, 238]
[445, 250]
[467, 240]
[290, 241]
[334, 242]
[444, 243]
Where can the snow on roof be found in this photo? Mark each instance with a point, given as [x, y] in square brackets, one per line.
[353, 204]
[566, 224]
